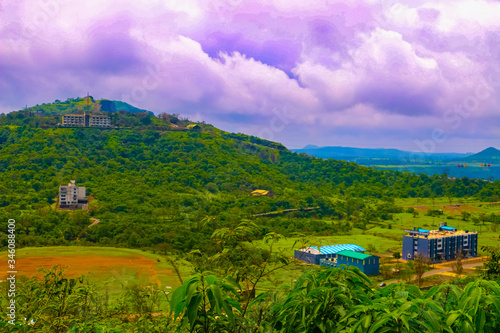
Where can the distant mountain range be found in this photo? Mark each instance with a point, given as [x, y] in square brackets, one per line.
[376, 155]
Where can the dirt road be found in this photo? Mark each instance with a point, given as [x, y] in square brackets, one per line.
[439, 271]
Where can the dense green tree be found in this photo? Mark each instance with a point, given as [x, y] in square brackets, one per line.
[144, 175]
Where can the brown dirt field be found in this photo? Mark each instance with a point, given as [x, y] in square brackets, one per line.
[92, 265]
[450, 209]
[420, 209]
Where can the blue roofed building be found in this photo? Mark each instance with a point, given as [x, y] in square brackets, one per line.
[313, 255]
[368, 264]
[438, 245]
[446, 228]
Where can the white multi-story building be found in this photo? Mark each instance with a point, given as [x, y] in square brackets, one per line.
[72, 196]
[99, 121]
[86, 120]
[73, 120]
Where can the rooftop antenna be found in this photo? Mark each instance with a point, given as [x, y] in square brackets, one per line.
[88, 101]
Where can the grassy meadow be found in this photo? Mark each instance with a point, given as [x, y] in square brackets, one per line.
[387, 236]
[113, 268]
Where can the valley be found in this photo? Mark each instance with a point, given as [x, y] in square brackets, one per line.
[169, 206]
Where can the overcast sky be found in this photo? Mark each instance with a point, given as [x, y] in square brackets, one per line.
[416, 75]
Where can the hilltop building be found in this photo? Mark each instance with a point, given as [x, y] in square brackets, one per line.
[86, 120]
[72, 196]
[437, 245]
[194, 127]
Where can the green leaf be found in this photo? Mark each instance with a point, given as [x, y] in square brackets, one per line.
[232, 281]
[363, 321]
[192, 310]
[367, 321]
[177, 302]
[404, 307]
[192, 287]
[405, 322]
[259, 298]
[234, 303]
[480, 320]
[229, 311]
[217, 296]
[211, 279]
[378, 324]
[433, 319]
[451, 319]
[495, 300]
[467, 328]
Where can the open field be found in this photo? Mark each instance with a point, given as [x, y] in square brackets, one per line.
[473, 170]
[291, 273]
[407, 202]
[489, 233]
[381, 244]
[99, 263]
[387, 236]
[113, 267]
[118, 267]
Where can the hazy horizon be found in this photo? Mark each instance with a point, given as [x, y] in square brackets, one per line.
[416, 151]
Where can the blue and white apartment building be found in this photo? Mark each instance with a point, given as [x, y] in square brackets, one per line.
[438, 245]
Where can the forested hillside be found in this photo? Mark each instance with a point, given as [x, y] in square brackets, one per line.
[174, 188]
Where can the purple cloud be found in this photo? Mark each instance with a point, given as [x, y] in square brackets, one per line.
[330, 72]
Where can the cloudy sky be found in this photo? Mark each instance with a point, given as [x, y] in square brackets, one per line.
[416, 75]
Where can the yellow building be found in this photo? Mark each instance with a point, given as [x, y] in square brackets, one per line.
[193, 127]
[262, 193]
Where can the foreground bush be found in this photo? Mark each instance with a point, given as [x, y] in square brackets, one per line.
[322, 300]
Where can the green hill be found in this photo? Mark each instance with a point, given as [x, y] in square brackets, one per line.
[81, 104]
[126, 107]
[489, 154]
[171, 187]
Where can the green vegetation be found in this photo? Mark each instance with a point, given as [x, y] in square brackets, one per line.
[186, 194]
[76, 105]
[173, 189]
[417, 162]
[114, 270]
[122, 115]
[224, 300]
[107, 256]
